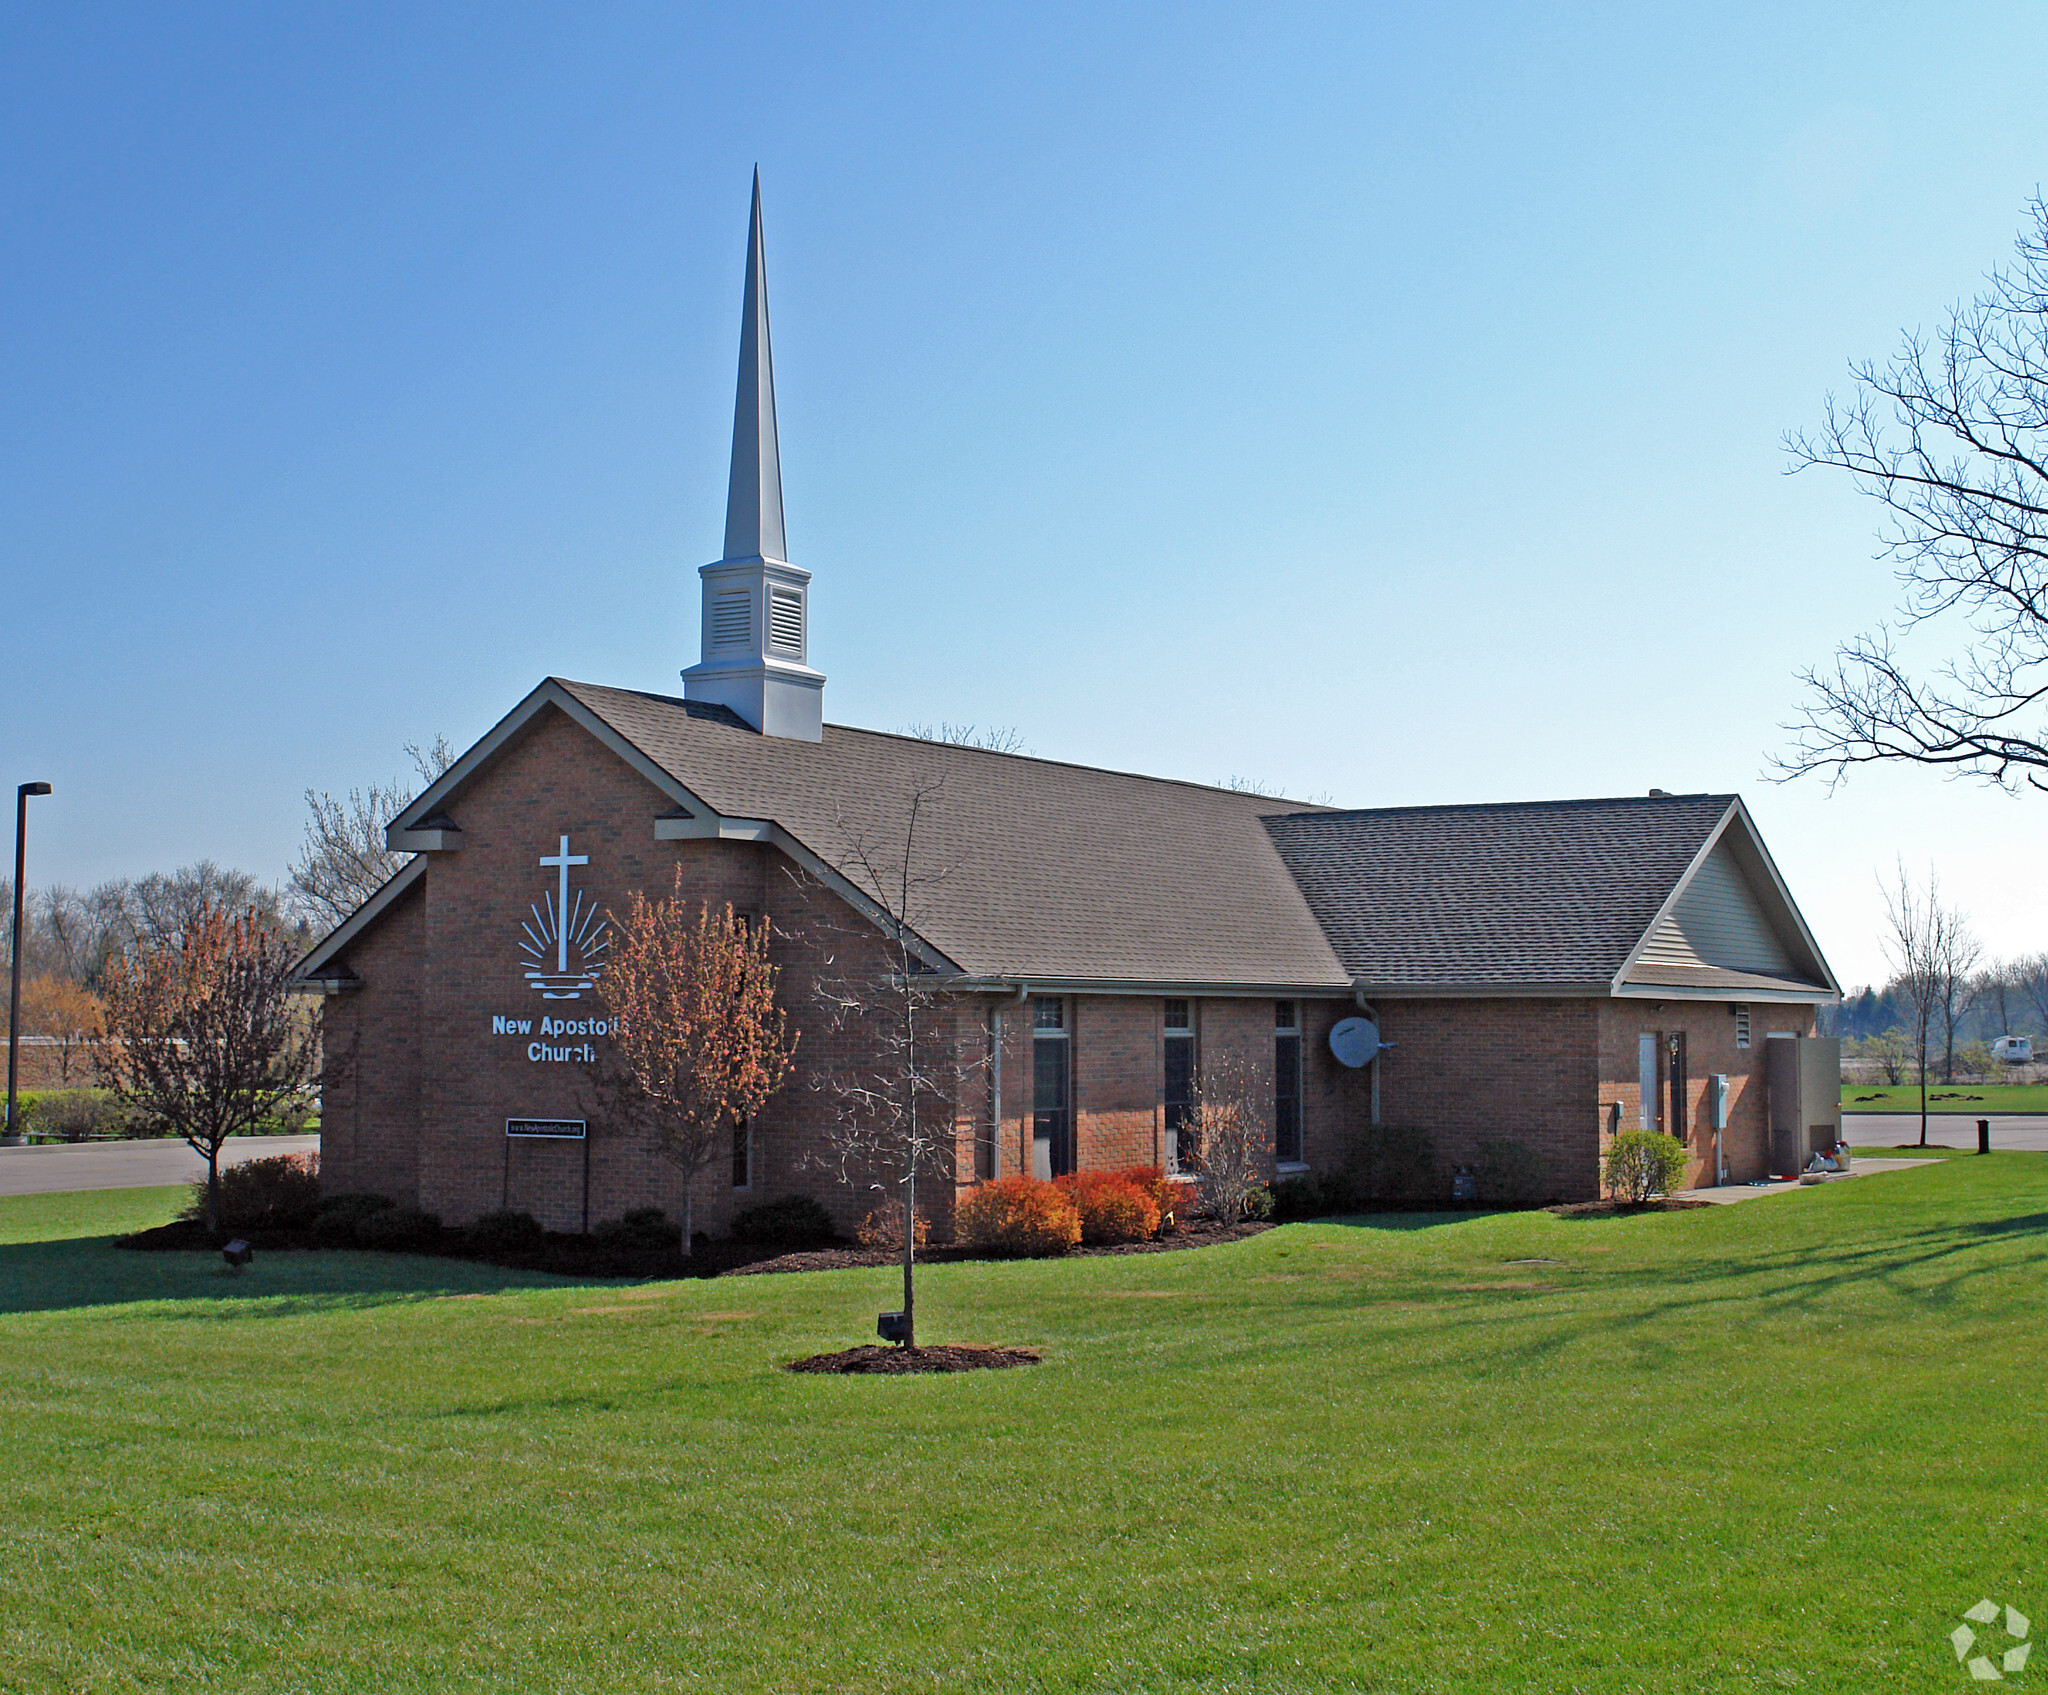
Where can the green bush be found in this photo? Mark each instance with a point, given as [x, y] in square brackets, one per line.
[644, 1229]
[335, 1218]
[505, 1233]
[396, 1227]
[792, 1220]
[72, 1115]
[1390, 1165]
[278, 1193]
[1511, 1174]
[1319, 1194]
[1642, 1163]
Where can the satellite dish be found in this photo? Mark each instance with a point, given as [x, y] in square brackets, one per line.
[1355, 1042]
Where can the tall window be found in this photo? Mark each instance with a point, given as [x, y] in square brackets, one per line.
[1179, 1089]
[743, 1155]
[1286, 1083]
[1052, 1121]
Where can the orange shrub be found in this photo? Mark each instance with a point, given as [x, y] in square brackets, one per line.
[1018, 1215]
[1112, 1207]
[1176, 1198]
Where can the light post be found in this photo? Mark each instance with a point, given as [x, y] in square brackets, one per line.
[10, 1137]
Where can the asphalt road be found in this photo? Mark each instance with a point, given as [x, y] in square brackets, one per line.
[53, 1169]
[2027, 1131]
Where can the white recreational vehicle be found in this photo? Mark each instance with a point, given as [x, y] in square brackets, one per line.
[2014, 1050]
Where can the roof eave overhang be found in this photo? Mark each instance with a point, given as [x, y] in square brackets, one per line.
[317, 970]
[1024, 982]
[1800, 994]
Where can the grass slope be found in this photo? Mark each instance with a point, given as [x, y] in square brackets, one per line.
[1776, 1445]
[1972, 1100]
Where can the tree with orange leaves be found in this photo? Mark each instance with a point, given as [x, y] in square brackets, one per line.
[698, 1045]
[66, 1014]
[203, 1036]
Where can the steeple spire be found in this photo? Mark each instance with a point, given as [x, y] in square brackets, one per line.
[753, 501]
[757, 605]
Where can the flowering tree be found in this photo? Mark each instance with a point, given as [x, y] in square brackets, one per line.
[203, 1033]
[698, 1043]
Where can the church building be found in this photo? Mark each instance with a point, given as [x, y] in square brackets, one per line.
[1093, 942]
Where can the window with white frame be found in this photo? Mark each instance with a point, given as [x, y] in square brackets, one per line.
[1178, 1083]
[1287, 1140]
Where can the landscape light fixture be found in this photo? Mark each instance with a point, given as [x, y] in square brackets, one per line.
[237, 1253]
[891, 1327]
[10, 1133]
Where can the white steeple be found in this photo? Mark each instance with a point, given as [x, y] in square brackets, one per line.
[757, 613]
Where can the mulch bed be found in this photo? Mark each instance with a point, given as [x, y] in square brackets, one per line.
[580, 1256]
[1623, 1209]
[891, 1362]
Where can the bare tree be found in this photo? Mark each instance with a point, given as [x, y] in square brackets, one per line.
[2030, 976]
[1233, 1145]
[204, 1036]
[1960, 952]
[698, 1044]
[1931, 949]
[1951, 439]
[343, 860]
[996, 738]
[893, 1103]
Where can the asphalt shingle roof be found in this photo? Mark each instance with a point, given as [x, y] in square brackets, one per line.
[1547, 892]
[1042, 869]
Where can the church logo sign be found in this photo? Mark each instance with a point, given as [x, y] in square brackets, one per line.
[564, 940]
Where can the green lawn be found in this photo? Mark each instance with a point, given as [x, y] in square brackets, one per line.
[1779, 1445]
[1974, 1100]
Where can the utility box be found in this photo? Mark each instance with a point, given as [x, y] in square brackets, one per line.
[1804, 1077]
[1717, 1101]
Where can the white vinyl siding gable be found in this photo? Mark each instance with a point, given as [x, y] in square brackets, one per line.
[1718, 922]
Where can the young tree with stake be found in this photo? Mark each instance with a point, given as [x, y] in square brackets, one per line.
[203, 1035]
[698, 1044]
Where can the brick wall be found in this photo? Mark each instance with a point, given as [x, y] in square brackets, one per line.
[1709, 1028]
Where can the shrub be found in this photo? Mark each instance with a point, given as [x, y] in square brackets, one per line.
[395, 1227]
[1511, 1174]
[1321, 1194]
[1642, 1163]
[1257, 1202]
[643, 1230]
[883, 1228]
[505, 1233]
[1228, 1127]
[1018, 1215]
[1175, 1197]
[278, 1193]
[72, 1115]
[1112, 1207]
[793, 1218]
[335, 1219]
[1395, 1163]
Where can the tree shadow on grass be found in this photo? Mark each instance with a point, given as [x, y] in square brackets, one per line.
[89, 1271]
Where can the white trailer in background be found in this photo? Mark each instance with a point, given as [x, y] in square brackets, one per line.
[2014, 1050]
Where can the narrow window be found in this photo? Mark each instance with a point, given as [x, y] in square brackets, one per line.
[1052, 1121]
[742, 1155]
[1286, 1083]
[732, 618]
[1646, 1079]
[1179, 1088]
[1674, 1048]
[1741, 1026]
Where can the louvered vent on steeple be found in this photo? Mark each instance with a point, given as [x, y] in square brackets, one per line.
[786, 620]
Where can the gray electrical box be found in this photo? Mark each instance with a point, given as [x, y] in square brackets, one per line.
[1717, 1101]
[1804, 1077]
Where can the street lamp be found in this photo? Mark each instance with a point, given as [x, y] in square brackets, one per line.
[11, 1136]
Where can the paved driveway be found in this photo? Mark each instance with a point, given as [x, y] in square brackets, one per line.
[126, 1165]
[2028, 1131]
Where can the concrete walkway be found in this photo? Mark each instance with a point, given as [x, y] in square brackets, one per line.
[1729, 1194]
[2026, 1131]
[58, 1167]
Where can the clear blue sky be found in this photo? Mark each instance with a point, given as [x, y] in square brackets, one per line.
[1379, 401]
